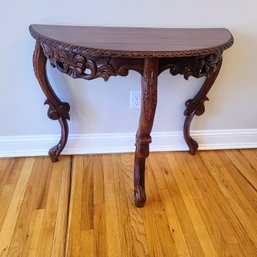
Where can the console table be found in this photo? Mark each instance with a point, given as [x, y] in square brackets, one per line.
[94, 52]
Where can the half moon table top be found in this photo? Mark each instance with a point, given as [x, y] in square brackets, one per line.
[134, 42]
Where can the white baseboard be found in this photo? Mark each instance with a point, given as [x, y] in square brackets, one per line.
[14, 146]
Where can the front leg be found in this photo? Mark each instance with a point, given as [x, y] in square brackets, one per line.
[195, 106]
[58, 110]
[143, 138]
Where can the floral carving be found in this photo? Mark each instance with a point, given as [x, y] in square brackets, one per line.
[150, 94]
[198, 66]
[85, 67]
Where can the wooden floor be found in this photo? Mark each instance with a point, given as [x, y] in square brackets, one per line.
[202, 205]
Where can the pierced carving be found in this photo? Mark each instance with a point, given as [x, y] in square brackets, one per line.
[199, 66]
[86, 67]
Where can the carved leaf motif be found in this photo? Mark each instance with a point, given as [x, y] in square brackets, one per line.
[150, 95]
[78, 66]
[199, 66]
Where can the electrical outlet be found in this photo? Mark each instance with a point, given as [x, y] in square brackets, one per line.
[135, 99]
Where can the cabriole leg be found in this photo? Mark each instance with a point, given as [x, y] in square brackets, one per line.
[58, 110]
[195, 106]
[143, 138]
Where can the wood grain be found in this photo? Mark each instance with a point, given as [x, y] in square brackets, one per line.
[33, 223]
[137, 42]
[202, 205]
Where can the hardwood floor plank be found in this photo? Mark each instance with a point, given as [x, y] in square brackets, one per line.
[202, 233]
[156, 207]
[137, 221]
[249, 191]
[87, 211]
[211, 222]
[209, 189]
[5, 199]
[61, 226]
[49, 223]
[236, 199]
[73, 246]
[202, 205]
[172, 216]
[5, 170]
[226, 199]
[20, 233]
[128, 248]
[235, 250]
[100, 240]
[33, 235]
[87, 243]
[191, 237]
[251, 157]
[243, 165]
[12, 170]
[113, 241]
[15, 171]
[241, 200]
[44, 183]
[10, 220]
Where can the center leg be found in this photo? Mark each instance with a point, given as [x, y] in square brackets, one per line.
[143, 138]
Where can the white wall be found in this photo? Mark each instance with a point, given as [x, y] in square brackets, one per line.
[103, 107]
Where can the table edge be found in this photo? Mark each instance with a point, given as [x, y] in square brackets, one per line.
[129, 54]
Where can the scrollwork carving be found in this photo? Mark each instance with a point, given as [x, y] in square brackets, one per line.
[196, 106]
[199, 66]
[62, 111]
[86, 67]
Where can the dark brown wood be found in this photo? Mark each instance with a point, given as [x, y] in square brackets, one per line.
[198, 66]
[196, 106]
[102, 52]
[133, 42]
[143, 138]
[58, 110]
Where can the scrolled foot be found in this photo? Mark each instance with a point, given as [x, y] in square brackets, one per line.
[140, 196]
[54, 153]
[193, 146]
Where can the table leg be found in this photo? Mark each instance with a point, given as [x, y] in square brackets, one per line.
[195, 106]
[58, 110]
[143, 138]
